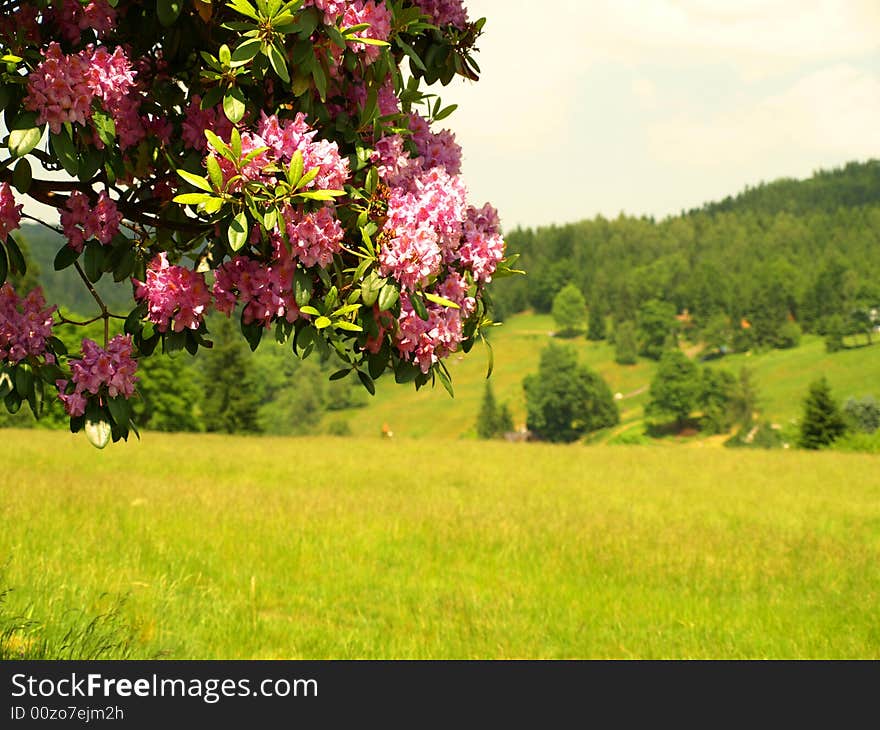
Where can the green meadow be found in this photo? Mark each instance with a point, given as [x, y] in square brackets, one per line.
[782, 378]
[234, 547]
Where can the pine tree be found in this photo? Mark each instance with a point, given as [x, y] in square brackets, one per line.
[823, 422]
[487, 420]
[596, 322]
[231, 398]
[505, 420]
[625, 346]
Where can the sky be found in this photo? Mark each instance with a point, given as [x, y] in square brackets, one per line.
[649, 107]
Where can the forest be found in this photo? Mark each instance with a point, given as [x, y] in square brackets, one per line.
[752, 270]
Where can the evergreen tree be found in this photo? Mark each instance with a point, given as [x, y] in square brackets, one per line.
[487, 420]
[745, 399]
[565, 400]
[625, 347]
[675, 388]
[656, 323]
[823, 422]
[231, 396]
[717, 392]
[569, 308]
[596, 321]
[505, 420]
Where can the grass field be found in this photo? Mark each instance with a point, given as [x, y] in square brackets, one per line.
[345, 548]
[782, 376]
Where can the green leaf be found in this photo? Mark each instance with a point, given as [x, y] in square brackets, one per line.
[310, 310]
[24, 380]
[445, 380]
[64, 258]
[238, 231]
[65, 152]
[321, 194]
[367, 382]
[443, 302]
[233, 105]
[418, 305]
[168, 11]
[215, 173]
[295, 171]
[22, 176]
[120, 410]
[491, 355]
[278, 63]
[105, 126]
[196, 180]
[388, 297]
[192, 198]
[246, 51]
[340, 374]
[344, 324]
[22, 141]
[320, 80]
[17, 261]
[243, 7]
[93, 262]
[322, 322]
[221, 146]
[4, 265]
[302, 288]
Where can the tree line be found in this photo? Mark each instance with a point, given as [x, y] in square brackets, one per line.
[751, 271]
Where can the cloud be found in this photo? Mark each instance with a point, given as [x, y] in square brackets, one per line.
[829, 114]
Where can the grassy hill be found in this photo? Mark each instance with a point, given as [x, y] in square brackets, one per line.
[782, 376]
[234, 547]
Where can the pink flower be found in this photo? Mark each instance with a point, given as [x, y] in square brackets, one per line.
[198, 120]
[266, 291]
[10, 213]
[25, 325]
[175, 295]
[436, 149]
[73, 18]
[314, 237]
[482, 245]
[59, 89]
[332, 9]
[377, 15]
[444, 12]
[100, 372]
[425, 343]
[82, 223]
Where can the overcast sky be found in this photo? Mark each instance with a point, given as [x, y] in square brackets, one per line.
[592, 107]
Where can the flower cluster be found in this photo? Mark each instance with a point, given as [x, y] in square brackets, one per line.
[266, 291]
[314, 237]
[483, 246]
[445, 12]
[82, 223]
[73, 18]
[25, 325]
[112, 369]
[176, 296]
[332, 9]
[10, 213]
[62, 88]
[377, 16]
[197, 120]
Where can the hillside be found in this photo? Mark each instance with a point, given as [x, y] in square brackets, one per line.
[782, 378]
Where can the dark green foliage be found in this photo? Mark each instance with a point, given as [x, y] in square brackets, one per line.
[834, 329]
[493, 421]
[569, 308]
[565, 400]
[625, 344]
[505, 420]
[717, 334]
[717, 392]
[802, 249]
[596, 321]
[656, 324]
[231, 392]
[863, 414]
[675, 389]
[822, 422]
[487, 419]
[170, 396]
[789, 336]
[745, 399]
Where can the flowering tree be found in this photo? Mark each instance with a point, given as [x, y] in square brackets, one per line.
[265, 158]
